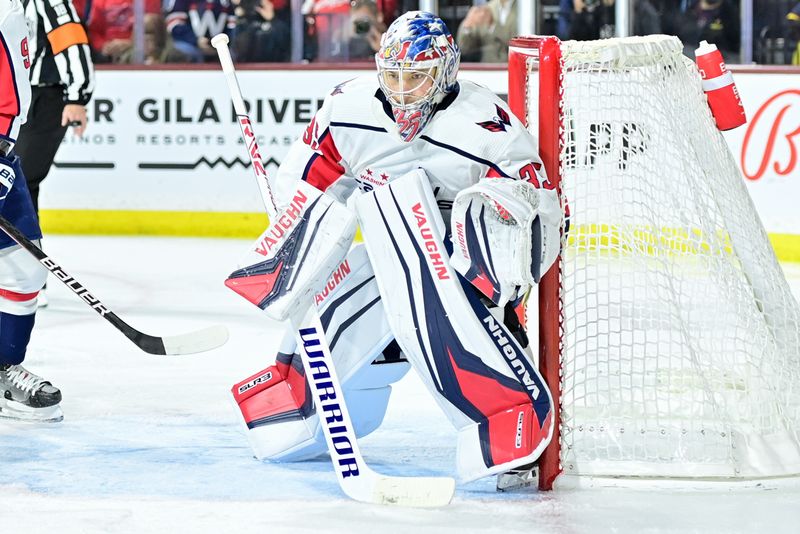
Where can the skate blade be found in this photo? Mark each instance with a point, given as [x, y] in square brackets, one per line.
[517, 480]
[15, 411]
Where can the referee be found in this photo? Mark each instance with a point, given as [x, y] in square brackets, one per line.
[62, 80]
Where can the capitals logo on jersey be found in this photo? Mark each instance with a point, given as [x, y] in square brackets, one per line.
[339, 89]
[369, 179]
[498, 122]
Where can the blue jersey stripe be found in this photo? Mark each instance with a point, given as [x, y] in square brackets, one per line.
[358, 126]
[466, 155]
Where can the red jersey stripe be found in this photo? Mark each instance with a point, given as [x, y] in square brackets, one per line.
[9, 96]
[324, 168]
[17, 297]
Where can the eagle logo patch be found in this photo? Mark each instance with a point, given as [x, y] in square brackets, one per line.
[498, 122]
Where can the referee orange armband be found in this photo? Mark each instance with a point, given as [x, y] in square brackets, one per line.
[65, 36]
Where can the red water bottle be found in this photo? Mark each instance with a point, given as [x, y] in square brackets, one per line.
[723, 97]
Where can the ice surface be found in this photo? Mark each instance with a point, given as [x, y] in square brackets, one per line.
[151, 444]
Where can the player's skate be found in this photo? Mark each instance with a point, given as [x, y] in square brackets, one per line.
[518, 478]
[28, 397]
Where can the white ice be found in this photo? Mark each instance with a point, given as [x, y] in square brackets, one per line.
[151, 444]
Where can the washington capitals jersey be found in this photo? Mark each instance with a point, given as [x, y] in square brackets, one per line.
[353, 144]
[15, 89]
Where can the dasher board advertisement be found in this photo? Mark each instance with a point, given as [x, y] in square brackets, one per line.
[167, 140]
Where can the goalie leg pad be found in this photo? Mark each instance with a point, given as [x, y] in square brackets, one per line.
[275, 404]
[476, 370]
[268, 398]
[280, 419]
[495, 433]
[296, 254]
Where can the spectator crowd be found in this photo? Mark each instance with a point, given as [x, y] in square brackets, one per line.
[178, 31]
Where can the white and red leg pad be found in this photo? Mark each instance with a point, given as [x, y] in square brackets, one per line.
[21, 278]
[280, 418]
[483, 380]
[296, 254]
[275, 404]
[270, 399]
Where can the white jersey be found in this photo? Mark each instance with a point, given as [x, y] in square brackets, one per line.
[352, 144]
[15, 89]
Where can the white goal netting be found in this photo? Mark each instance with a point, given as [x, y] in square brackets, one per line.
[681, 337]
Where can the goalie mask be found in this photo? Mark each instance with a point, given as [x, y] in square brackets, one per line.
[417, 67]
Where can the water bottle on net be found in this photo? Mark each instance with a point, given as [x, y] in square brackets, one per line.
[723, 97]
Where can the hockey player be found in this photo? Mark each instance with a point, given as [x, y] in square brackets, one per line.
[410, 151]
[23, 395]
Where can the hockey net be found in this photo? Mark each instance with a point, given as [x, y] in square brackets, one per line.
[668, 333]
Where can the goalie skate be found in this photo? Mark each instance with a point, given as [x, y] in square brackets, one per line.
[28, 397]
[516, 479]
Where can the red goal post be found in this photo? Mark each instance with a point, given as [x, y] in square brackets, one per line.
[524, 54]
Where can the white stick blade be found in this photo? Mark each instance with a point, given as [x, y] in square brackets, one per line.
[420, 492]
[198, 341]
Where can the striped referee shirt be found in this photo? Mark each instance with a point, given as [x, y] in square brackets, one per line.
[59, 49]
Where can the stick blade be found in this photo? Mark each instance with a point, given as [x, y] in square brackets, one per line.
[197, 341]
[418, 492]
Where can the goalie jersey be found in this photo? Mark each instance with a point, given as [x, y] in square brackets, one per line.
[352, 144]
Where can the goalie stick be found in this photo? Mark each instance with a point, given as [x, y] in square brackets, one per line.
[190, 343]
[356, 478]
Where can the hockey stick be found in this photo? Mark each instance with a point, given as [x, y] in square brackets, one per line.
[190, 343]
[356, 478]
